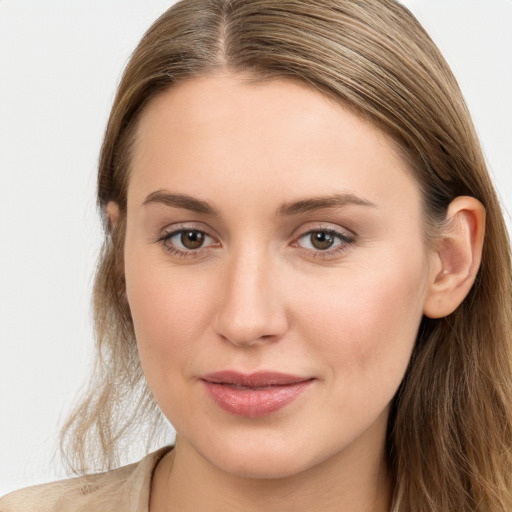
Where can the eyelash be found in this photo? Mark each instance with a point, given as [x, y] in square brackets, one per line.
[171, 248]
[345, 241]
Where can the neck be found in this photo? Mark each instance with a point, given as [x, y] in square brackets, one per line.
[351, 481]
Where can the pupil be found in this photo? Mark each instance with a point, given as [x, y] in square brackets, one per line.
[192, 239]
[321, 240]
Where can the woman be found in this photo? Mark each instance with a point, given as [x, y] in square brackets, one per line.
[295, 273]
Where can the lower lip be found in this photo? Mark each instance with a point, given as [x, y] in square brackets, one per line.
[255, 402]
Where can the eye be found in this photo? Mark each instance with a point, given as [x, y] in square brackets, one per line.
[190, 239]
[186, 241]
[324, 240]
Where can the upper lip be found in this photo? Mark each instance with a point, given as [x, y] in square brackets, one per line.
[257, 379]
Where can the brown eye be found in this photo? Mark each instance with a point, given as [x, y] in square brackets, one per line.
[192, 239]
[328, 241]
[322, 240]
[186, 242]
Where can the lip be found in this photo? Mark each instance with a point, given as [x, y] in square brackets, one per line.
[256, 394]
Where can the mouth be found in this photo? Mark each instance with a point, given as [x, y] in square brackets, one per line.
[254, 395]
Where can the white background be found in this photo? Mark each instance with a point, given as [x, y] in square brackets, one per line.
[60, 61]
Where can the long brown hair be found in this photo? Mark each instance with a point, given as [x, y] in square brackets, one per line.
[449, 445]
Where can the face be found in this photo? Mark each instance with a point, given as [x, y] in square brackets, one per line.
[276, 272]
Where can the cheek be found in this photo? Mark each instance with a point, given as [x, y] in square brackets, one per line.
[169, 310]
[368, 323]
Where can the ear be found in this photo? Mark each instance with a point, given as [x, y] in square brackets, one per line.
[112, 211]
[456, 258]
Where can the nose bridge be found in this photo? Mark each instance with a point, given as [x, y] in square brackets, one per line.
[250, 307]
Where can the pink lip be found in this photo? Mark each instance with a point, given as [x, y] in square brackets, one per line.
[254, 395]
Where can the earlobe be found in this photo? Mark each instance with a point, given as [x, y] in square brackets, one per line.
[112, 212]
[457, 257]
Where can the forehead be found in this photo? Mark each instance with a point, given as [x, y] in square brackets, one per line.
[223, 131]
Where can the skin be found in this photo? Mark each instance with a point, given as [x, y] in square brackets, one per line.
[259, 295]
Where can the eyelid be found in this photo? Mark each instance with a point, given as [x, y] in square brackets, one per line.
[172, 230]
[347, 238]
[340, 231]
[177, 227]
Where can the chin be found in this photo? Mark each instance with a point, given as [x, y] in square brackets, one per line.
[260, 460]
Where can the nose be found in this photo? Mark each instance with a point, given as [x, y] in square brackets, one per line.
[251, 309]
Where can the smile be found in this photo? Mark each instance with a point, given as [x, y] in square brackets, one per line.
[255, 395]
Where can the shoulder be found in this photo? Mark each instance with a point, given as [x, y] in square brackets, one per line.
[125, 488]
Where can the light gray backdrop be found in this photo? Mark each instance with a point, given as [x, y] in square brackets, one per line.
[60, 61]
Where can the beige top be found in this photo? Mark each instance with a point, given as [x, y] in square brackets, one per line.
[124, 489]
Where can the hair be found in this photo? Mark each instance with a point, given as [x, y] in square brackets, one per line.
[449, 441]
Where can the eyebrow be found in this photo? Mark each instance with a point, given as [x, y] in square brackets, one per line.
[288, 209]
[180, 201]
[323, 202]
